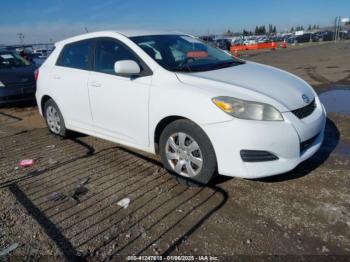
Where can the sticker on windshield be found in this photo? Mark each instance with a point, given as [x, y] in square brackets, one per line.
[191, 39]
[6, 56]
[197, 54]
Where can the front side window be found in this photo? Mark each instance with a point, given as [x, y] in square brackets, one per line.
[76, 55]
[108, 52]
[184, 53]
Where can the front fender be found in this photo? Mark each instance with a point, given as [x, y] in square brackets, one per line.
[170, 97]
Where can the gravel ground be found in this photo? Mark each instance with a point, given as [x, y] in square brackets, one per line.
[67, 203]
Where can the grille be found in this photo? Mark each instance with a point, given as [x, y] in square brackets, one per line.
[305, 111]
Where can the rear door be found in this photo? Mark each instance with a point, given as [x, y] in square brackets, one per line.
[69, 84]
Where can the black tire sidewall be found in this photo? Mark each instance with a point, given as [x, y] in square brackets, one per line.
[63, 130]
[209, 168]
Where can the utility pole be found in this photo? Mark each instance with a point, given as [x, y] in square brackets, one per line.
[338, 31]
[335, 29]
[21, 38]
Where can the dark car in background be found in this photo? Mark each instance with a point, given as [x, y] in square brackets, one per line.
[17, 78]
[305, 38]
[223, 43]
[207, 38]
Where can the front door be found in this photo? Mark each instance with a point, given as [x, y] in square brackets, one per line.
[119, 104]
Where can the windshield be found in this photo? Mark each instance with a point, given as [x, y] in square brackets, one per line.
[184, 53]
[10, 59]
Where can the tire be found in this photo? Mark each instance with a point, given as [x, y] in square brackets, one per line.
[182, 159]
[54, 119]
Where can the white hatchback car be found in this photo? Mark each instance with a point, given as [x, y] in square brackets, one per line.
[204, 111]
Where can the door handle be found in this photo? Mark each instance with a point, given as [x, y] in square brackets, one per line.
[95, 84]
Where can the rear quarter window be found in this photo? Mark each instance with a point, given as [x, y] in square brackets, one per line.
[76, 55]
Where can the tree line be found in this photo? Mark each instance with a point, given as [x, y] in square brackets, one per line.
[271, 30]
[301, 28]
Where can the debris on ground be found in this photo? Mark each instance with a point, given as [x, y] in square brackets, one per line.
[124, 202]
[156, 251]
[51, 146]
[8, 249]
[34, 173]
[83, 181]
[26, 162]
[74, 194]
[56, 196]
[52, 161]
[77, 192]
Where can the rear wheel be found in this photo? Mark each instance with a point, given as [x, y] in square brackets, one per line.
[54, 119]
[186, 151]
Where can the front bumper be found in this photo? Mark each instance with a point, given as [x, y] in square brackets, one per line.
[17, 93]
[282, 139]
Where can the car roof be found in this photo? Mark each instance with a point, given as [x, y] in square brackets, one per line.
[132, 33]
[126, 33]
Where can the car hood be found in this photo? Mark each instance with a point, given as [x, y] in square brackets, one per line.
[17, 75]
[276, 84]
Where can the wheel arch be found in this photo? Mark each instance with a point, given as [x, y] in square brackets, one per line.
[44, 99]
[166, 121]
[160, 127]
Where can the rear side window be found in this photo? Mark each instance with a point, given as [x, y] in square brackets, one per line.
[76, 55]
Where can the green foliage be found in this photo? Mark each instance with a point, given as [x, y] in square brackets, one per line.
[260, 30]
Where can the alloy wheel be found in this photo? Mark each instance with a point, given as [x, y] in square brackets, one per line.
[53, 119]
[184, 154]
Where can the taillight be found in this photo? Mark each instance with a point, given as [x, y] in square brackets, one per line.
[36, 74]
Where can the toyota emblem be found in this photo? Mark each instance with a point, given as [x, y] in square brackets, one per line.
[305, 98]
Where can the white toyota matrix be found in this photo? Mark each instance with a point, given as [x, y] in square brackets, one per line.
[204, 111]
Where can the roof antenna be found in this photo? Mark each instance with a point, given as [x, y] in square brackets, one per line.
[86, 30]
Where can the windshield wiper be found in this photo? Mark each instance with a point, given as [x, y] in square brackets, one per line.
[227, 64]
[181, 69]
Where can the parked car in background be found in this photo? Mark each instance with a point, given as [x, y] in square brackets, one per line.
[249, 41]
[325, 35]
[41, 53]
[304, 38]
[238, 41]
[207, 38]
[261, 40]
[223, 43]
[17, 78]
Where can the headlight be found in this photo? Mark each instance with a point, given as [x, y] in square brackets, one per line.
[1, 84]
[247, 109]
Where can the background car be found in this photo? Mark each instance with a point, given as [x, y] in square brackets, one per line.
[305, 38]
[17, 78]
[223, 43]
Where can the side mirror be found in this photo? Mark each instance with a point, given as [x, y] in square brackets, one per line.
[127, 68]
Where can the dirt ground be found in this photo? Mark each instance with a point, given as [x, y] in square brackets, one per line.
[304, 212]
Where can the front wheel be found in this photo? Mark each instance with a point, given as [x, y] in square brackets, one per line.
[187, 152]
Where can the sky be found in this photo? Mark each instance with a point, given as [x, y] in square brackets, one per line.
[53, 20]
